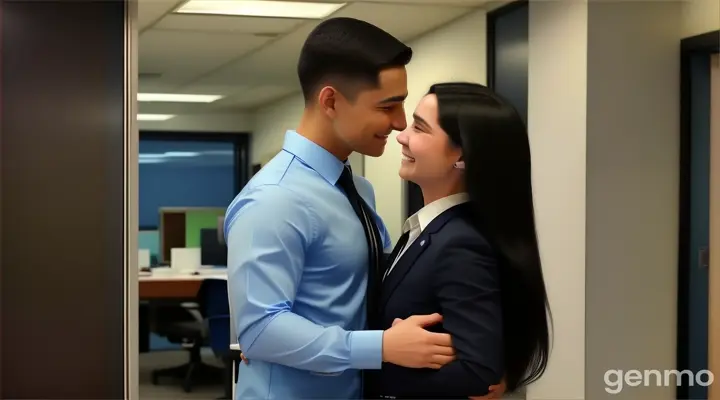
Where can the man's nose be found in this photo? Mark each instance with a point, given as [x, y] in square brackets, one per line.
[399, 121]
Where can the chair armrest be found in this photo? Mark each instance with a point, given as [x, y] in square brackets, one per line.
[194, 310]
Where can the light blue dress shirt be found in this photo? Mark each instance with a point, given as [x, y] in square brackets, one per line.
[297, 275]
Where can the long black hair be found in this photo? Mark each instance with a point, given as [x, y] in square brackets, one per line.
[496, 151]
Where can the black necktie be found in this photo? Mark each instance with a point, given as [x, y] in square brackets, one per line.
[374, 242]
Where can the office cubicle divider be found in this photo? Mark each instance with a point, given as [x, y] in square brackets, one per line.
[68, 151]
[180, 227]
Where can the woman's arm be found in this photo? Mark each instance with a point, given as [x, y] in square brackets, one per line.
[467, 285]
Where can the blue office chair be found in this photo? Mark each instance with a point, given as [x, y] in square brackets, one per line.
[214, 302]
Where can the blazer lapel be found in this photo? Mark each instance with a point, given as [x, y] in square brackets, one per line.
[407, 260]
[402, 267]
[399, 246]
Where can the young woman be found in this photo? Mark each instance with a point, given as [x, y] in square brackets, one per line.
[471, 253]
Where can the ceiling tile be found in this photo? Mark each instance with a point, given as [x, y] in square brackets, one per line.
[150, 11]
[229, 24]
[416, 19]
[461, 3]
[254, 96]
[186, 54]
[220, 55]
[271, 64]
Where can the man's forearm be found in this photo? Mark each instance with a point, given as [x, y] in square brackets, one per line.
[291, 340]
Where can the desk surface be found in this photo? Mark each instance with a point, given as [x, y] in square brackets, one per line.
[201, 274]
[166, 286]
[182, 277]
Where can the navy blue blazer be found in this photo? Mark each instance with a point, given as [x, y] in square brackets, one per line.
[449, 269]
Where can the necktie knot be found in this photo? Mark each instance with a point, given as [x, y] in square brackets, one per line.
[346, 180]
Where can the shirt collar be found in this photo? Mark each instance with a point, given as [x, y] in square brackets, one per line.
[314, 156]
[427, 214]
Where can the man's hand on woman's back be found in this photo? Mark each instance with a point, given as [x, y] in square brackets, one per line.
[408, 344]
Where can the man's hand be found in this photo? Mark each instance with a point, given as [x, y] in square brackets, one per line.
[408, 344]
[495, 391]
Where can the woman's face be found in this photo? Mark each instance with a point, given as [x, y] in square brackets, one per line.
[428, 153]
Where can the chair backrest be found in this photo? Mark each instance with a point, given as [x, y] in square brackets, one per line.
[213, 298]
[219, 329]
[214, 305]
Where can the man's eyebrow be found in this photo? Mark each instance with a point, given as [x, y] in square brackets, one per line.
[420, 120]
[394, 99]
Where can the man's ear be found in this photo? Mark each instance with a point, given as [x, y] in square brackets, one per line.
[327, 98]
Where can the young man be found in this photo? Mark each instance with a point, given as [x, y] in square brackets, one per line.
[304, 252]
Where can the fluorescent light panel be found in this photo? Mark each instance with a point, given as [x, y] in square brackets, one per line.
[260, 8]
[149, 156]
[154, 117]
[178, 98]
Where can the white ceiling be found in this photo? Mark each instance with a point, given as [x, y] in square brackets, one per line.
[252, 60]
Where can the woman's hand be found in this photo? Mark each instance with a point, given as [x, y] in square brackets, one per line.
[496, 392]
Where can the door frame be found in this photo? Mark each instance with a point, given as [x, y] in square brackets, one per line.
[704, 43]
[714, 231]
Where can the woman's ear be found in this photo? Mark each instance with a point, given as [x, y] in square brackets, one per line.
[459, 164]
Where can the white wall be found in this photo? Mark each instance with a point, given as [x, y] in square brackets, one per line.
[453, 52]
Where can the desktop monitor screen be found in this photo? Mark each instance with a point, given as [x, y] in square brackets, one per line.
[212, 250]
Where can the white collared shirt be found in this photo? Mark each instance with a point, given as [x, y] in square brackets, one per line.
[421, 219]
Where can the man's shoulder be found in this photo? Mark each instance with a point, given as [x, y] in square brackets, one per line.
[365, 189]
[268, 194]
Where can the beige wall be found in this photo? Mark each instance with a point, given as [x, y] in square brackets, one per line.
[632, 193]
[603, 119]
[557, 99]
[700, 16]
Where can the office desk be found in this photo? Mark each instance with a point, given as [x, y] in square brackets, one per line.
[174, 287]
[167, 288]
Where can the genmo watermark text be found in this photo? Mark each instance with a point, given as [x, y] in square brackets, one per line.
[617, 379]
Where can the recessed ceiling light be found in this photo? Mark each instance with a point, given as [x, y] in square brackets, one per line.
[154, 117]
[181, 154]
[260, 8]
[178, 98]
[151, 160]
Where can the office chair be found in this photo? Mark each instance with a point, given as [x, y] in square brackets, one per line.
[188, 328]
[217, 312]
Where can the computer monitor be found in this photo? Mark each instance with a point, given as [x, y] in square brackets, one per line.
[212, 250]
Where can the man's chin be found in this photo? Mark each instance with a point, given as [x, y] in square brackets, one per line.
[373, 152]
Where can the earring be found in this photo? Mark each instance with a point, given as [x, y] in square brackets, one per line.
[459, 165]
